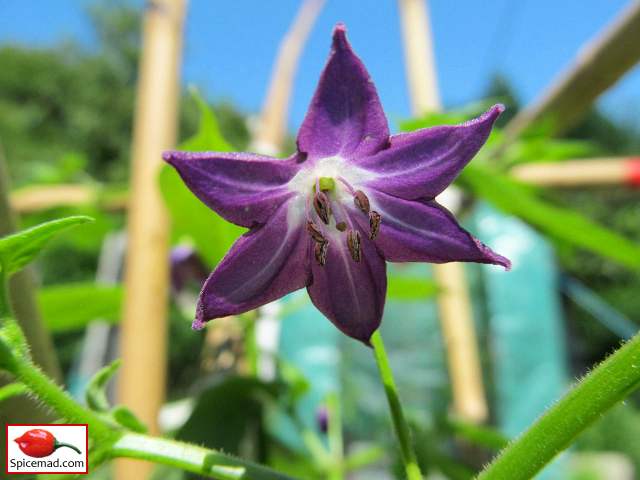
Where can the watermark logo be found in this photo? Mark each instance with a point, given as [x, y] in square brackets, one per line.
[47, 448]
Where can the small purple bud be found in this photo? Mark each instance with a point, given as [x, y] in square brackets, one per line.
[374, 224]
[354, 241]
[322, 417]
[186, 265]
[361, 201]
[321, 253]
[321, 204]
[315, 232]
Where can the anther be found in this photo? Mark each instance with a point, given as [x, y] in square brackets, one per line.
[374, 224]
[315, 232]
[321, 204]
[321, 253]
[361, 201]
[354, 241]
[341, 226]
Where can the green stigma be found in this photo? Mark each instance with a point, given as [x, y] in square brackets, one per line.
[326, 183]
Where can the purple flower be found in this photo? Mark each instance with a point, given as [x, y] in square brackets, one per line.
[328, 217]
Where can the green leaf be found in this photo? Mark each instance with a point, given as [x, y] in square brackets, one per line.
[12, 390]
[229, 416]
[404, 288]
[481, 435]
[19, 249]
[128, 420]
[559, 223]
[95, 394]
[211, 234]
[208, 136]
[72, 306]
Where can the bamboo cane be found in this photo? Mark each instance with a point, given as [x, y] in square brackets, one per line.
[581, 172]
[269, 135]
[454, 303]
[600, 63]
[144, 326]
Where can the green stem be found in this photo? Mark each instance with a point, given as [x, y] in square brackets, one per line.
[399, 422]
[111, 441]
[51, 394]
[600, 390]
[57, 445]
[5, 305]
[190, 457]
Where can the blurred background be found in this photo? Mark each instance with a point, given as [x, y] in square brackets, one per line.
[281, 385]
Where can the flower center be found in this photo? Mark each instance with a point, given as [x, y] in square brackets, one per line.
[327, 205]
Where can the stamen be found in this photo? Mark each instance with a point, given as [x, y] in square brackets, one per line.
[321, 254]
[348, 185]
[354, 242]
[315, 232]
[341, 226]
[374, 224]
[321, 204]
[361, 201]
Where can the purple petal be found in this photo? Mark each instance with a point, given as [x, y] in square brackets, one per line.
[345, 117]
[351, 294]
[263, 265]
[413, 231]
[242, 188]
[423, 163]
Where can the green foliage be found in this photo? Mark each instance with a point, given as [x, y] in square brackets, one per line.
[70, 307]
[11, 390]
[228, 416]
[95, 395]
[127, 419]
[19, 249]
[208, 136]
[561, 224]
[407, 288]
[212, 235]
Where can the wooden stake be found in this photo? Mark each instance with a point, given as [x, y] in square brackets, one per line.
[144, 325]
[598, 64]
[456, 319]
[419, 57]
[269, 136]
[581, 172]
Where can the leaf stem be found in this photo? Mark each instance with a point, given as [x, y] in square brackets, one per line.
[190, 457]
[600, 390]
[399, 422]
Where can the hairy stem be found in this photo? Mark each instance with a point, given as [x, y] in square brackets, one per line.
[190, 457]
[600, 390]
[399, 422]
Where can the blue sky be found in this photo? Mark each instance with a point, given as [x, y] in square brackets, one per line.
[230, 45]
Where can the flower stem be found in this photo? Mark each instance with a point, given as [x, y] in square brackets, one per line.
[399, 422]
[600, 390]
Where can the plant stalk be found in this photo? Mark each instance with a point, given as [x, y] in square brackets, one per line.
[399, 422]
[600, 390]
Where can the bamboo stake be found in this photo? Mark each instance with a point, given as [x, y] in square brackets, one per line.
[269, 135]
[419, 57]
[144, 326]
[581, 172]
[454, 303]
[36, 198]
[600, 63]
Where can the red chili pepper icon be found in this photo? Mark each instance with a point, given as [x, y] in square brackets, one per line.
[39, 443]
